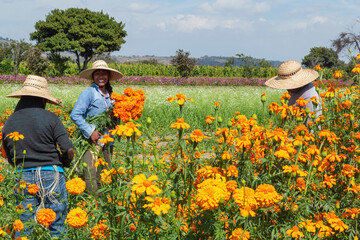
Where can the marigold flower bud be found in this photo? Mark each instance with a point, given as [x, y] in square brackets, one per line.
[148, 120]
[220, 119]
[85, 165]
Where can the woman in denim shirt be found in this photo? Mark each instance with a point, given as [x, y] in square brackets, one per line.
[92, 102]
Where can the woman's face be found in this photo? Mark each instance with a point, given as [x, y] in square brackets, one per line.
[101, 77]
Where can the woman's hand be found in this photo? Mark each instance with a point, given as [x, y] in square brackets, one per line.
[95, 137]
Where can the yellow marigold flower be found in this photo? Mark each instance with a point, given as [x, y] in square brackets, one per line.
[15, 136]
[75, 186]
[143, 184]
[210, 192]
[295, 232]
[226, 155]
[158, 205]
[197, 135]
[266, 195]
[77, 218]
[337, 74]
[18, 225]
[239, 234]
[1, 201]
[181, 99]
[106, 176]
[317, 68]
[20, 238]
[45, 216]
[131, 129]
[335, 222]
[119, 130]
[106, 139]
[100, 231]
[33, 189]
[245, 199]
[180, 124]
[294, 169]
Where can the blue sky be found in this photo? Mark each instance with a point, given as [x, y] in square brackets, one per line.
[270, 29]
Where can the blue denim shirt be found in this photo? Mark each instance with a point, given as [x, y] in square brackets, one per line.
[90, 103]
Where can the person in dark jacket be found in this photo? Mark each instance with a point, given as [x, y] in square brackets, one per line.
[40, 157]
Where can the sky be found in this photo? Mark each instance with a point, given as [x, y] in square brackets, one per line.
[271, 29]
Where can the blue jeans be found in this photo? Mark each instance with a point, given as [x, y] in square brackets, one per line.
[54, 197]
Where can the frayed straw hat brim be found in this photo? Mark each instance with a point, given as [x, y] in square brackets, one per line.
[37, 87]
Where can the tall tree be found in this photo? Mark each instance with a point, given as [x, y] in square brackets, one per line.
[347, 40]
[80, 31]
[35, 61]
[183, 63]
[19, 51]
[326, 57]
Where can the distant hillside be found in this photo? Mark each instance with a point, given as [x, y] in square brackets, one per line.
[202, 61]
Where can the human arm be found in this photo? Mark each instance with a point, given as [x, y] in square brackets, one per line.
[78, 114]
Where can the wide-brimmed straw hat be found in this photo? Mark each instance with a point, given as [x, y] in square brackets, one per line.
[291, 75]
[36, 86]
[100, 64]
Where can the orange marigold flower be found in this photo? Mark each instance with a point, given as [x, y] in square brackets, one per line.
[100, 162]
[356, 69]
[285, 96]
[33, 189]
[106, 139]
[349, 170]
[317, 68]
[294, 169]
[77, 218]
[239, 234]
[295, 232]
[358, 57]
[217, 105]
[337, 74]
[158, 205]
[15, 136]
[19, 238]
[209, 119]
[312, 150]
[301, 102]
[300, 184]
[210, 192]
[75, 186]
[245, 199]
[180, 124]
[352, 213]
[18, 225]
[100, 231]
[45, 216]
[197, 135]
[266, 195]
[106, 176]
[180, 98]
[232, 171]
[226, 155]
[143, 184]
[329, 181]
[2, 177]
[231, 186]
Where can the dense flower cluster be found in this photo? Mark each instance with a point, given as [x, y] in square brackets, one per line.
[129, 105]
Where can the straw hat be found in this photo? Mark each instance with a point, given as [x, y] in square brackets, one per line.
[37, 87]
[100, 64]
[291, 75]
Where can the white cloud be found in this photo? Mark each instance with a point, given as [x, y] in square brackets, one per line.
[248, 6]
[318, 19]
[142, 7]
[187, 23]
[190, 23]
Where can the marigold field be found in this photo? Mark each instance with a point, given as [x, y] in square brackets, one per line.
[293, 177]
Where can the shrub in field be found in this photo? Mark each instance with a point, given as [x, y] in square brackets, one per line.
[295, 177]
